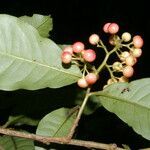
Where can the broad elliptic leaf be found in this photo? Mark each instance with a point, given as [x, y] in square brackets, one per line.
[131, 103]
[44, 24]
[15, 143]
[29, 61]
[57, 123]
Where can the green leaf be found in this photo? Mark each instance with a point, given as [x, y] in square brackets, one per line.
[20, 120]
[29, 61]
[15, 143]
[131, 103]
[44, 24]
[57, 123]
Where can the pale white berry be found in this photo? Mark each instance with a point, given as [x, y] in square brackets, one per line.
[126, 36]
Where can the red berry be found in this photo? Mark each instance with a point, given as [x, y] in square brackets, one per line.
[91, 78]
[66, 57]
[113, 28]
[78, 47]
[138, 41]
[82, 83]
[105, 27]
[89, 55]
[94, 39]
[128, 71]
[68, 49]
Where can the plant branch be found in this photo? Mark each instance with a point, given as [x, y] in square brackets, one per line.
[106, 58]
[75, 124]
[59, 140]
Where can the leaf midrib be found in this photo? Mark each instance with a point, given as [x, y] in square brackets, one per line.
[62, 124]
[119, 99]
[38, 63]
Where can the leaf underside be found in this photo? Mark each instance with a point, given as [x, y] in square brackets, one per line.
[131, 103]
[56, 123]
[15, 143]
[29, 61]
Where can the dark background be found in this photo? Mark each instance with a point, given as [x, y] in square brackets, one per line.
[75, 20]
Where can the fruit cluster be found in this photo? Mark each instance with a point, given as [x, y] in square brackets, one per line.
[126, 48]
[82, 57]
[128, 51]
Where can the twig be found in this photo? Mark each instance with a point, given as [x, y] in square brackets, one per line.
[75, 124]
[59, 140]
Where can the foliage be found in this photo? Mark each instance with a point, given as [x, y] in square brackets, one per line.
[30, 60]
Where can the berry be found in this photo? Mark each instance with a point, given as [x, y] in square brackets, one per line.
[113, 28]
[94, 39]
[82, 83]
[124, 55]
[117, 66]
[68, 49]
[91, 78]
[138, 41]
[89, 55]
[111, 81]
[123, 79]
[137, 52]
[126, 36]
[130, 60]
[105, 27]
[78, 47]
[128, 71]
[66, 57]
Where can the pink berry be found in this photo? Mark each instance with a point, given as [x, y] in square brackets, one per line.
[66, 57]
[113, 28]
[137, 52]
[91, 78]
[89, 55]
[138, 41]
[128, 71]
[105, 27]
[94, 39]
[78, 47]
[68, 49]
[82, 83]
